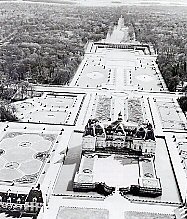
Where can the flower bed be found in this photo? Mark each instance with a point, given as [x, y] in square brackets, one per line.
[135, 113]
[148, 169]
[103, 108]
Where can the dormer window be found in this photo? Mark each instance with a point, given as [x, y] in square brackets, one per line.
[34, 199]
[9, 200]
[18, 200]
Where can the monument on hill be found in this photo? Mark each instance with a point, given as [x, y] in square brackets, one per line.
[120, 33]
[120, 23]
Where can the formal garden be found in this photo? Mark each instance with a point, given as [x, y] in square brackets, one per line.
[24, 156]
[170, 115]
[51, 108]
[93, 73]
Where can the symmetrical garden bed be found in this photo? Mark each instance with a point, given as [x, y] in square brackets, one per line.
[24, 156]
[135, 113]
[103, 108]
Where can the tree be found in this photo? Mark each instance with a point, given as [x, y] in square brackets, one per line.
[7, 112]
[183, 103]
[174, 81]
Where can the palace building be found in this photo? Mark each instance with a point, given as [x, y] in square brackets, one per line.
[119, 146]
[126, 137]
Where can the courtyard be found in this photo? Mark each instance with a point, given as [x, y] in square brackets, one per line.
[59, 101]
[116, 170]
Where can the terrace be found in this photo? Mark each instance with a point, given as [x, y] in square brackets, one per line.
[64, 182]
[164, 171]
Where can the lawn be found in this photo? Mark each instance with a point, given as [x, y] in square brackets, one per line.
[58, 101]
[47, 116]
[82, 213]
[54, 108]
[145, 215]
[145, 77]
[169, 115]
[93, 74]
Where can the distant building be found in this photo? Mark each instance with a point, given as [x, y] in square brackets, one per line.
[22, 203]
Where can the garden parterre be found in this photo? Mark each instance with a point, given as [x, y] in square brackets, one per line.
[23, 156]
[52, 108]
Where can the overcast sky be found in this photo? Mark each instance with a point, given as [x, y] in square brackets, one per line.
[109, 2]
[114, 2]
